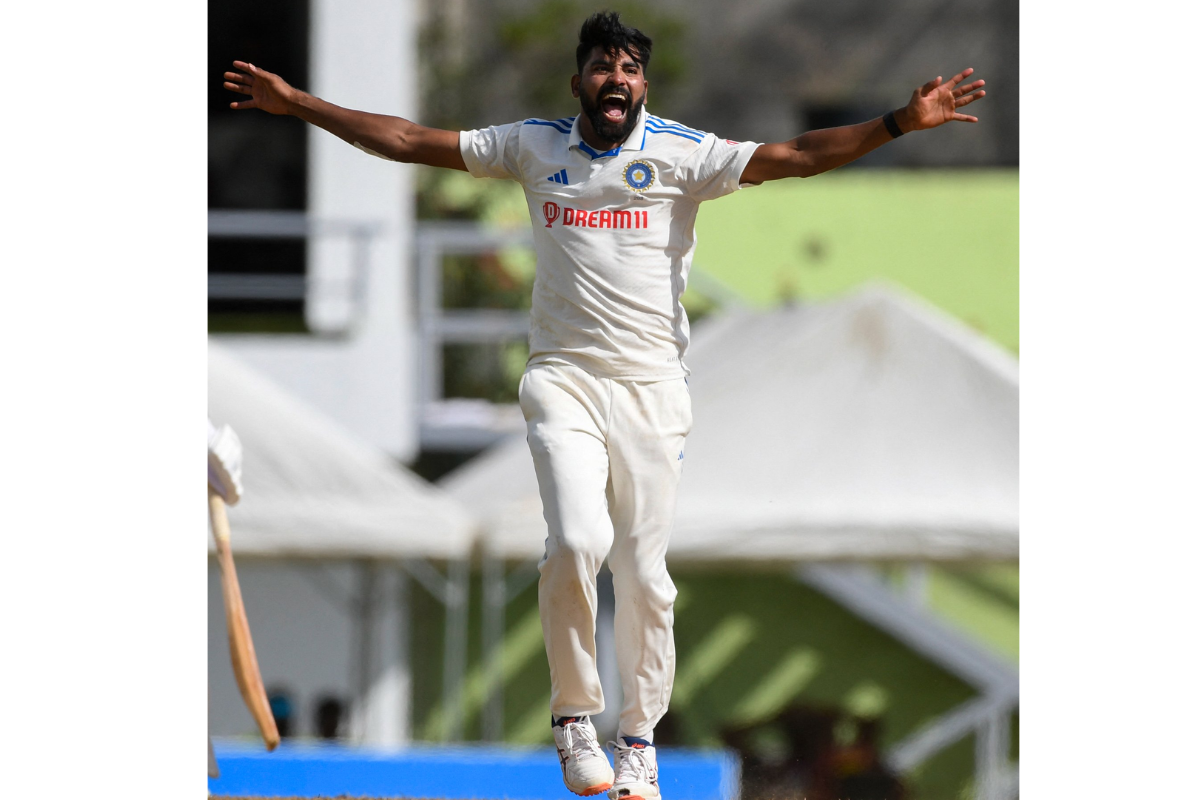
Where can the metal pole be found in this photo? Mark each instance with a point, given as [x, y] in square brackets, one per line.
[493, 641]
[364, 646]
[404, 656]
[429, 312]
[991, 755]
[455, 651]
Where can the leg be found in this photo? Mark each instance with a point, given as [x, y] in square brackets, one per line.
[649, 424]
[566, 410]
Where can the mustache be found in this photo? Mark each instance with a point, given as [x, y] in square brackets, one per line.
[617, 90]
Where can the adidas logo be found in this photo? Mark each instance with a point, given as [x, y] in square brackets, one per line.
[559, 177]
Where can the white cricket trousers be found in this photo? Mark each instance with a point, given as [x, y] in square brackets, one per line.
[608, 455]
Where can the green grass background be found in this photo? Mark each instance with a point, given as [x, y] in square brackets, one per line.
[951, 237]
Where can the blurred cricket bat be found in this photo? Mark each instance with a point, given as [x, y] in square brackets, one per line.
[241, 648]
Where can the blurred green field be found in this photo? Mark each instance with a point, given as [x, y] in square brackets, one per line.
[950, 236]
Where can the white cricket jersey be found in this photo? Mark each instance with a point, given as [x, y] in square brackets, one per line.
[614, 234]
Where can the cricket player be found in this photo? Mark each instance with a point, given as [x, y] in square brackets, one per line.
[613, 194]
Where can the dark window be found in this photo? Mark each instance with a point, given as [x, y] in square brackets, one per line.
[256, 160]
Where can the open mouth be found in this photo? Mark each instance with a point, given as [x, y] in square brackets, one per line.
[614, 106]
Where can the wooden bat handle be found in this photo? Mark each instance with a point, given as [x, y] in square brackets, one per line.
[241, 647]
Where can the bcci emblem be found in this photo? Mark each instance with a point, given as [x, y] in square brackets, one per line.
[639, 175]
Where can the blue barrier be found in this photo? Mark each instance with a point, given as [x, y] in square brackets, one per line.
[460, 772]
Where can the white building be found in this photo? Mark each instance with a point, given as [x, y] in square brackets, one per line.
[358, 364]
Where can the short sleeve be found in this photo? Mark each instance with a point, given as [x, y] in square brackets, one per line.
[715, 168]
[492, 152]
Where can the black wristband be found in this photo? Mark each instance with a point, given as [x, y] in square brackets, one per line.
[889, 122]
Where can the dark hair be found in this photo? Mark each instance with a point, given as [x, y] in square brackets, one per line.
[604, 29]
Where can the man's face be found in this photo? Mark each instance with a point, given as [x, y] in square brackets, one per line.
[611, 92]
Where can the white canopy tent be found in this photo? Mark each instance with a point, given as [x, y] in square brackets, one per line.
[871, 427]
[315, 495]
[314, 491]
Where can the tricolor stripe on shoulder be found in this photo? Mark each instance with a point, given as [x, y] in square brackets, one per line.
[667, 123]
[659, 125]
[560, 125]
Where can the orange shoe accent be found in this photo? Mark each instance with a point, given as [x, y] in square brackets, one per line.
[597, 789]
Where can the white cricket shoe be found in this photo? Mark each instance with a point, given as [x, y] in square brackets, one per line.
[585, 766]
[636, 770]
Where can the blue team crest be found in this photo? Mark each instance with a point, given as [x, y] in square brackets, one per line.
[639, 175]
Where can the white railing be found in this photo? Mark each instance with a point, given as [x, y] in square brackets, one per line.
[438, 326]
[986, 716]
[290, 225]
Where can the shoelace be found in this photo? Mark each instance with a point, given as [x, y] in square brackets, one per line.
[632, 763]
[581, 739]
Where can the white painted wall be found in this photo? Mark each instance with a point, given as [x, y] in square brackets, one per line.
[303, 641]
[303, 623]
[384, 715]
[362, 55]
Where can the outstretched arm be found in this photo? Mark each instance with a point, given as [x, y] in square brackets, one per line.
[390, 137]
[933, 104]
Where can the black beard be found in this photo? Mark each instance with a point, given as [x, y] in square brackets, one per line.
[612, 132]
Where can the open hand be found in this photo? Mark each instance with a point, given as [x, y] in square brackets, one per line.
[267, 90]
[937, 103]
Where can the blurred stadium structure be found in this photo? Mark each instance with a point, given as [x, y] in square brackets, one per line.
[764, 72]
[367, 315]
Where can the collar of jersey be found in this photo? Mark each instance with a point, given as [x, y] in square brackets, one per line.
[636, 140]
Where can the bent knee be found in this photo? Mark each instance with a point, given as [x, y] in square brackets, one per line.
[649, 581]
[575, 550]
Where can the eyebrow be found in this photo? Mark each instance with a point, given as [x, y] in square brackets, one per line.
[605, 62]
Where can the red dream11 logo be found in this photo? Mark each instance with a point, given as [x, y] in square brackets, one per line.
[551, 212]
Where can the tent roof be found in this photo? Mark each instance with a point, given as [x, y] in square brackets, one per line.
[870, 427]
[312, 490]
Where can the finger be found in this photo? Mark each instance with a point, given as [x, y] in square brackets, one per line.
[965, 118]
[237, 77]
[237, 87]
[970, 87]
[971, 98]
[960, 76]
[246, 66]
[240, 104]
[929, 87]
